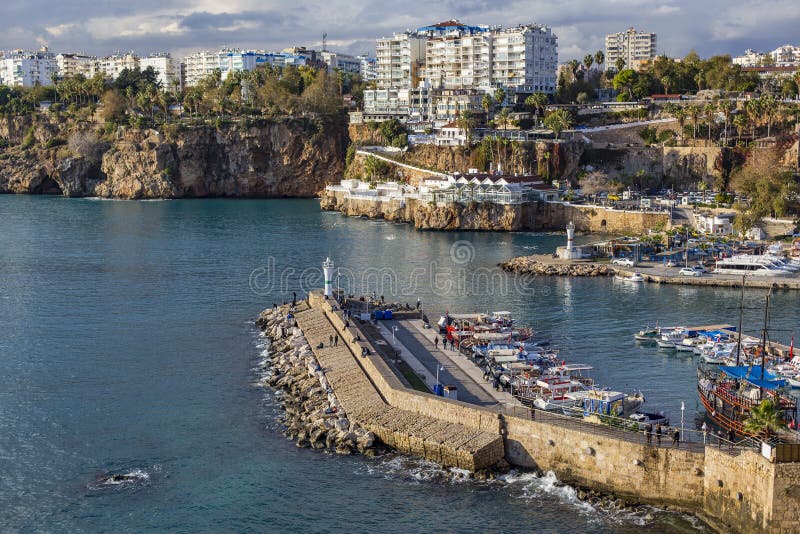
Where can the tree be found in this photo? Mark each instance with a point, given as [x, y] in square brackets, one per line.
[620, 64]
[624, 81]
[588, 61]
[558, 121]
[599, 58]
[503, 118]
[764, 419]
[113, 106]
[694, 113]
[753, 110]
[769, 107]
[466, 121]
[725, 107]
[487, 103]
[536, 102]
[582, 98]
[740, 123]
[500, 96]
[666, 81]
[680, 115]
[709, 112]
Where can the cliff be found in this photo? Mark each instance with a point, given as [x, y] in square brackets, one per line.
[281, 158]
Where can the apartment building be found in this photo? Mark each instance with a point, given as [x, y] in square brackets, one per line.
[341, 62]
[524, 59]
[750, 58]
[636, 48]
[24, 68]
[168, 73]
[368, 68]
[786, 56]
[73, 64]
[112, 65]
[398, 60]
[459, 61]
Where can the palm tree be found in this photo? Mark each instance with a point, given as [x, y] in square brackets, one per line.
[487, 104]
[740, 123]
[764, 419]
[694, 113]
[574, 64]
[536, 102]
[500, 95]
[709, 111]
[588, 61]
[666, 81]
[558, 121]
[769, 107]
[753, 110]
[599, 58]
[726, 107]
[620, 64]
[680, 114]
[466, 121]
[503, 118]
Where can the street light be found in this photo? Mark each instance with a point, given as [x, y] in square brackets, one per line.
[683, 408]
[438, 368]
[394, 329]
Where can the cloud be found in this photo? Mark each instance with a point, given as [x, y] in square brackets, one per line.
[181, 26]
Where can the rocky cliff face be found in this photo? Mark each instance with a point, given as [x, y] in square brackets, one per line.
[292, 157]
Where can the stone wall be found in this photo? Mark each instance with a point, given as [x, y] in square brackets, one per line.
[536, 216]
[633, 470]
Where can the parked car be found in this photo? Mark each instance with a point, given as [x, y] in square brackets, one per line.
[671, 263]
[623, 261]
[688, 271]
[699, 268]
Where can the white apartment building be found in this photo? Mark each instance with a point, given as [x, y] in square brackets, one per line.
[73, 64]
[524, 59]
[459, 61]
[750, 58]
[399, 58]
[200, 64]
[368, 68]
[168, 74]
[342, 62]
[23, 68]
[634, 47]
[786, 56]
[112, 65]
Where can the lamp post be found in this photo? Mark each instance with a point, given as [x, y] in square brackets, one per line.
[394, 329]
[683, 408]
[438, 368]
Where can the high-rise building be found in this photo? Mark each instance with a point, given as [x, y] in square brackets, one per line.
[168, 74]
[112, 65]
[634, 47]
[73, 64]
[524, 59]
[399, 58]
[368, 68]
[341, 62]
[24, 68]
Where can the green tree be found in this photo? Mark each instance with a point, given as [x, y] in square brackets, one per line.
[619, 64]
[558, 121]
[500, 96]
[487, 103]
[709, 112]
[726, 108]
[588, 61]
[466, 121]
[624, 81]
[764, 419]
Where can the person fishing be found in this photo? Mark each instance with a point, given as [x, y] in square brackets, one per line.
[658, 434]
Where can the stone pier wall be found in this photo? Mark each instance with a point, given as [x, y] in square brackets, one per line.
[536, 216]
[743, 493]
[657, 475]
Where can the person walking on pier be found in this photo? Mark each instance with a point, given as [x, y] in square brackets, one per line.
[676, 438]
[704, 429]
[444, 343]
[330, 340]
[336, 340]
[731, 437]
[436, 341]
[648, 433]
[658, 434]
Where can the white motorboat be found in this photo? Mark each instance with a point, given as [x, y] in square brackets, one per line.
[755, 265]
[647, 418]
[634, 278]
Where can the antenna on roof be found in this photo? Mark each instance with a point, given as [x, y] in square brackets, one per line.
[324, 42]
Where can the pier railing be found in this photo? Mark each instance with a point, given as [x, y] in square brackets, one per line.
[627, 430]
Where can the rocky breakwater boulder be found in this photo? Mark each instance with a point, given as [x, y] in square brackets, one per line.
[531, 266]
[313, 416]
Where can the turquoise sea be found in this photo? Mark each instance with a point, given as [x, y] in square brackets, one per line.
[127, 346]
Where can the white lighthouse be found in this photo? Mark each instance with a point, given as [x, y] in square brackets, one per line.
[570, 236]
[327, 271]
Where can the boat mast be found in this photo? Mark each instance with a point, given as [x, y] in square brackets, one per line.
[764, 341]
[741, 313]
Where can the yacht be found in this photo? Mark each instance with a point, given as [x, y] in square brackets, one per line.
[764, 265]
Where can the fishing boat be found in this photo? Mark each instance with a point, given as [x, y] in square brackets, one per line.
[648, 335]
[634, 278]
[611, 403]
[649, 418]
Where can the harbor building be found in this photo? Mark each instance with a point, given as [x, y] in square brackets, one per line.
[25, 68]
[636, 48]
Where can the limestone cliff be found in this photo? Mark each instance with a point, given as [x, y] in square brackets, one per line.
[281, 158]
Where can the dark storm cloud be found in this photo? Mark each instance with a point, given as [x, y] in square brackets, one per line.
[710, 26]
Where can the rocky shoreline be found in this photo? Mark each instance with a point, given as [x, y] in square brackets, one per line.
[530, 265]
[313, 416]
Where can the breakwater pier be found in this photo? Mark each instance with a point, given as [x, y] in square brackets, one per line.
[735, 489]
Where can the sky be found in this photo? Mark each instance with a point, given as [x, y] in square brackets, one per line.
[182, 26]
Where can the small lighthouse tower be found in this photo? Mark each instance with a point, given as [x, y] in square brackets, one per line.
[327, 270]
[570, 236]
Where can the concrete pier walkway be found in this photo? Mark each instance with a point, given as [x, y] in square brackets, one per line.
[451, 444]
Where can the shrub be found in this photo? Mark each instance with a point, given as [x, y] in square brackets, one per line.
[54, 142]
[3, 142]
[30, 138]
